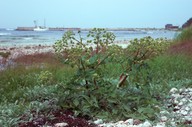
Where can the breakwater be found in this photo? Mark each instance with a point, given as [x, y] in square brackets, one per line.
[50, 29]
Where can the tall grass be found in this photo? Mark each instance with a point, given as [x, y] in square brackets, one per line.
[171, 67]
[13, 81]
[185, 35]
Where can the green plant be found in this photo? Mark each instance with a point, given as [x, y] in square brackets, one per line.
[83, 55]
[90, 90]
[136, 56]
[185, 35]
[5, 54]
[45, 77]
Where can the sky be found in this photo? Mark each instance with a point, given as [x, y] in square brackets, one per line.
[95, 13]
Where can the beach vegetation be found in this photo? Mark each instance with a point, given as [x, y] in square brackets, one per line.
[185, 35]
[5, 54]
[92, 78]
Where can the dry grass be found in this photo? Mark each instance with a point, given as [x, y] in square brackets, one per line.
[182, 48]
[36, 58]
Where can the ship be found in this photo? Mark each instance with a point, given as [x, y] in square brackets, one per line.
[39, 28]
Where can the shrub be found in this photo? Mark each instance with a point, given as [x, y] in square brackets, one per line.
[5, 54]
[45, 77]
[91, 93]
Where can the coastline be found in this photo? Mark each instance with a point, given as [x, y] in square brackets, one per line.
[19, 51]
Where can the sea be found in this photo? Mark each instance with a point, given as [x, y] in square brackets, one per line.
[13, 38]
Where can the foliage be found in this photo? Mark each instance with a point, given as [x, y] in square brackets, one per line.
[137, 54]
[13, 81]
[185, 35]
[90, 90]
[5, 54]
[170, 68]
[90, 87]
[45, 77]
[83, 56]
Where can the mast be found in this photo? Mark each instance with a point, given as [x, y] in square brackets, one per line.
[35, 22]
[44, 23]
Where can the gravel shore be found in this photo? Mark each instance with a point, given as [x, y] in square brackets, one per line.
[177, 111]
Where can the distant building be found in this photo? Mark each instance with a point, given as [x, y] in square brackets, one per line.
[171, 27]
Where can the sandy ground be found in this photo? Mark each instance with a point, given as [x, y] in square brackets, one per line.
[18, 51]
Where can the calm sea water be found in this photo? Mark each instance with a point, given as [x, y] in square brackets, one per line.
[24, 38]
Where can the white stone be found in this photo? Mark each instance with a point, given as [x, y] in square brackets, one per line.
[159, 125]
[183, 112]
[190, 89]
[164, 112]
[108, 125]
[129, 122]
[121, 125]
[187, 108]
[146, 124]
[175, 102]
[61, 124]
[175, 96]
[173, 90]
[99, 121]
[180, 103]
[184, 100]
[120, 122]
[164, 118]
[188, 118]
[190, 104]
[182, 89]
[173, 124]
[187, 90]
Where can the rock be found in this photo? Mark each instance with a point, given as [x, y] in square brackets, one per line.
[183, 112]
[180, 103]
[187, 108]
[99, 121]
[159, 125]
[190, 89]
[175, 101]
[173, 124]
[184, 100]
[136, 122]
[121, 125]
[129, 122]
[175, 96]
[61, 125]
[164, 118]
[120, 122]
[173, 90]
[146, 124]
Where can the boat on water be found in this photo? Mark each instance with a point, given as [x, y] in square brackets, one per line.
[40, 29]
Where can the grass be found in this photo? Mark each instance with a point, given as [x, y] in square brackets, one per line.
[171, 67]
[185, 35]
[26, 75]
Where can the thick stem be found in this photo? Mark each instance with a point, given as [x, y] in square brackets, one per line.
[86, 82]
[122, 80]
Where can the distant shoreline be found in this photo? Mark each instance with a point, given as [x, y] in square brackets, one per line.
[86, 29]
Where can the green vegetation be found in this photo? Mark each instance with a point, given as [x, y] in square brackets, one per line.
[5, 54]
[97, 79]
[185, 35]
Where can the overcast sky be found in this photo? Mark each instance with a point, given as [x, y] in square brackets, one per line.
[94, 13]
